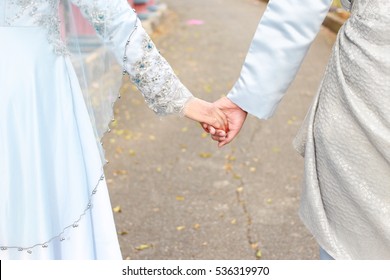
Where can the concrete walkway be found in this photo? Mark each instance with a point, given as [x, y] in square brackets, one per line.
[174, 194]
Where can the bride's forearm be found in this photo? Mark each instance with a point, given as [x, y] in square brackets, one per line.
[121, 30]
[154, 77]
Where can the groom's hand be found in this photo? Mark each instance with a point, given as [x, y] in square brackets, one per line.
[235, 117]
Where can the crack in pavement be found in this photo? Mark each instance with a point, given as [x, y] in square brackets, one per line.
[250, 235]
[252, 240]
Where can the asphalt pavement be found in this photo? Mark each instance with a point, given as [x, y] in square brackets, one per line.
[175, 195]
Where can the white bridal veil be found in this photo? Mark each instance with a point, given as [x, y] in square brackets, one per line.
[98, 71]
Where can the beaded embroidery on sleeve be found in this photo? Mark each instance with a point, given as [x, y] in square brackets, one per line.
[152, 75]
[155, 79]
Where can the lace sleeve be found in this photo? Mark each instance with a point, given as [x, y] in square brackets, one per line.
[155, 79]
[121, 30]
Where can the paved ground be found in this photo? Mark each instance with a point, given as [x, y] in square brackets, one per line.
[175, 195]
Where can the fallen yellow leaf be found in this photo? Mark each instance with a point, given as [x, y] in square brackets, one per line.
[205, 155]
[120, 172]
[117, 209]
[231, 158]
[258, 254]
[179, 228]
[207, 88]
[143, 247]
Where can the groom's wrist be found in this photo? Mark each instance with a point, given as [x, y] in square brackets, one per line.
[234, 104]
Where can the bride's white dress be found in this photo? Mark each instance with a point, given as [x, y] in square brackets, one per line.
[54, 202]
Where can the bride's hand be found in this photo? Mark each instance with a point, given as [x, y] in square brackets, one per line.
[206, 113]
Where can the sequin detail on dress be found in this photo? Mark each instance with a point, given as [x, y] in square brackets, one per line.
[40, 13]
[98, 17]
[157, 82]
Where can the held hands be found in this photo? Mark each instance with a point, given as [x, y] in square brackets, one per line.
[206, 113]
[235, 118]
[222, 119]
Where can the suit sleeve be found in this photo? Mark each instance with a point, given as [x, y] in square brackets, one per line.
[282, 39]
